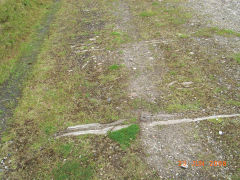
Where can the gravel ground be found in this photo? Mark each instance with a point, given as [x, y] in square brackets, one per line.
[222, 13]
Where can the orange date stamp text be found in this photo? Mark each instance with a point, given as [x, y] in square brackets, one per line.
[203, 163]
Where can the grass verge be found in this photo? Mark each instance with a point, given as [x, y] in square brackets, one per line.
[70, 85]
[18, 20]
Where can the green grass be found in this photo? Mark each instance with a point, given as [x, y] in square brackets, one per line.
[147, 14]
[209, 32]
[216, 121]
[125, 136]
[155, 3]
[116, 33]
[117, 38]
[237, 57]
[18, 19]
[73, 170]
[233, 102]
[114, 67]
[176, 107]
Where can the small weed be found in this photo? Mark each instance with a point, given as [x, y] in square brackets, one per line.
[147, 14]
[234, 103]
[182, 107]
[114, 67]
[155, 3]
[65, 149]
[125, 136]
[116, 33]
[237, 57]
[173, 73]
[216, 121]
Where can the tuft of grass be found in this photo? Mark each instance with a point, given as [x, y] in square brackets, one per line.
[65, 149]
[116, 33]
[237, 57]
[216, 121]
[226, 32]
[147, 14]
[155, 3]
[233, 102]
[118, 38]
[209, 32]
[114, 67]
[125, 135]
[176, 107]
[73, 170]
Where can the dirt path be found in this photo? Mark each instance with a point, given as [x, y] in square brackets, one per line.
[173, 143]
[167, 145]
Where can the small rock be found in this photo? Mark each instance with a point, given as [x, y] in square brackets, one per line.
[187, 84]
[220, 132]
[191, 53]
[133, 95]
[172, 83]
[134, 68]
[109, 100]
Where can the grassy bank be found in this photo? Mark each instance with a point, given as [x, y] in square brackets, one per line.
[18, 20]
[69, 85]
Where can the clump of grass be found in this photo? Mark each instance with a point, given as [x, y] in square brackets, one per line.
[237, 57]
[147, 14]
[116, 33]
[216, 121]
[118, 38]
[125, 135]
[176, 107]
[155, 3]
[226, 32]
[114, 67]
[234, 103]
[73, 170]
[209, 32]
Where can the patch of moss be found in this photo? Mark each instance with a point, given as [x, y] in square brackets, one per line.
[125, 136]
